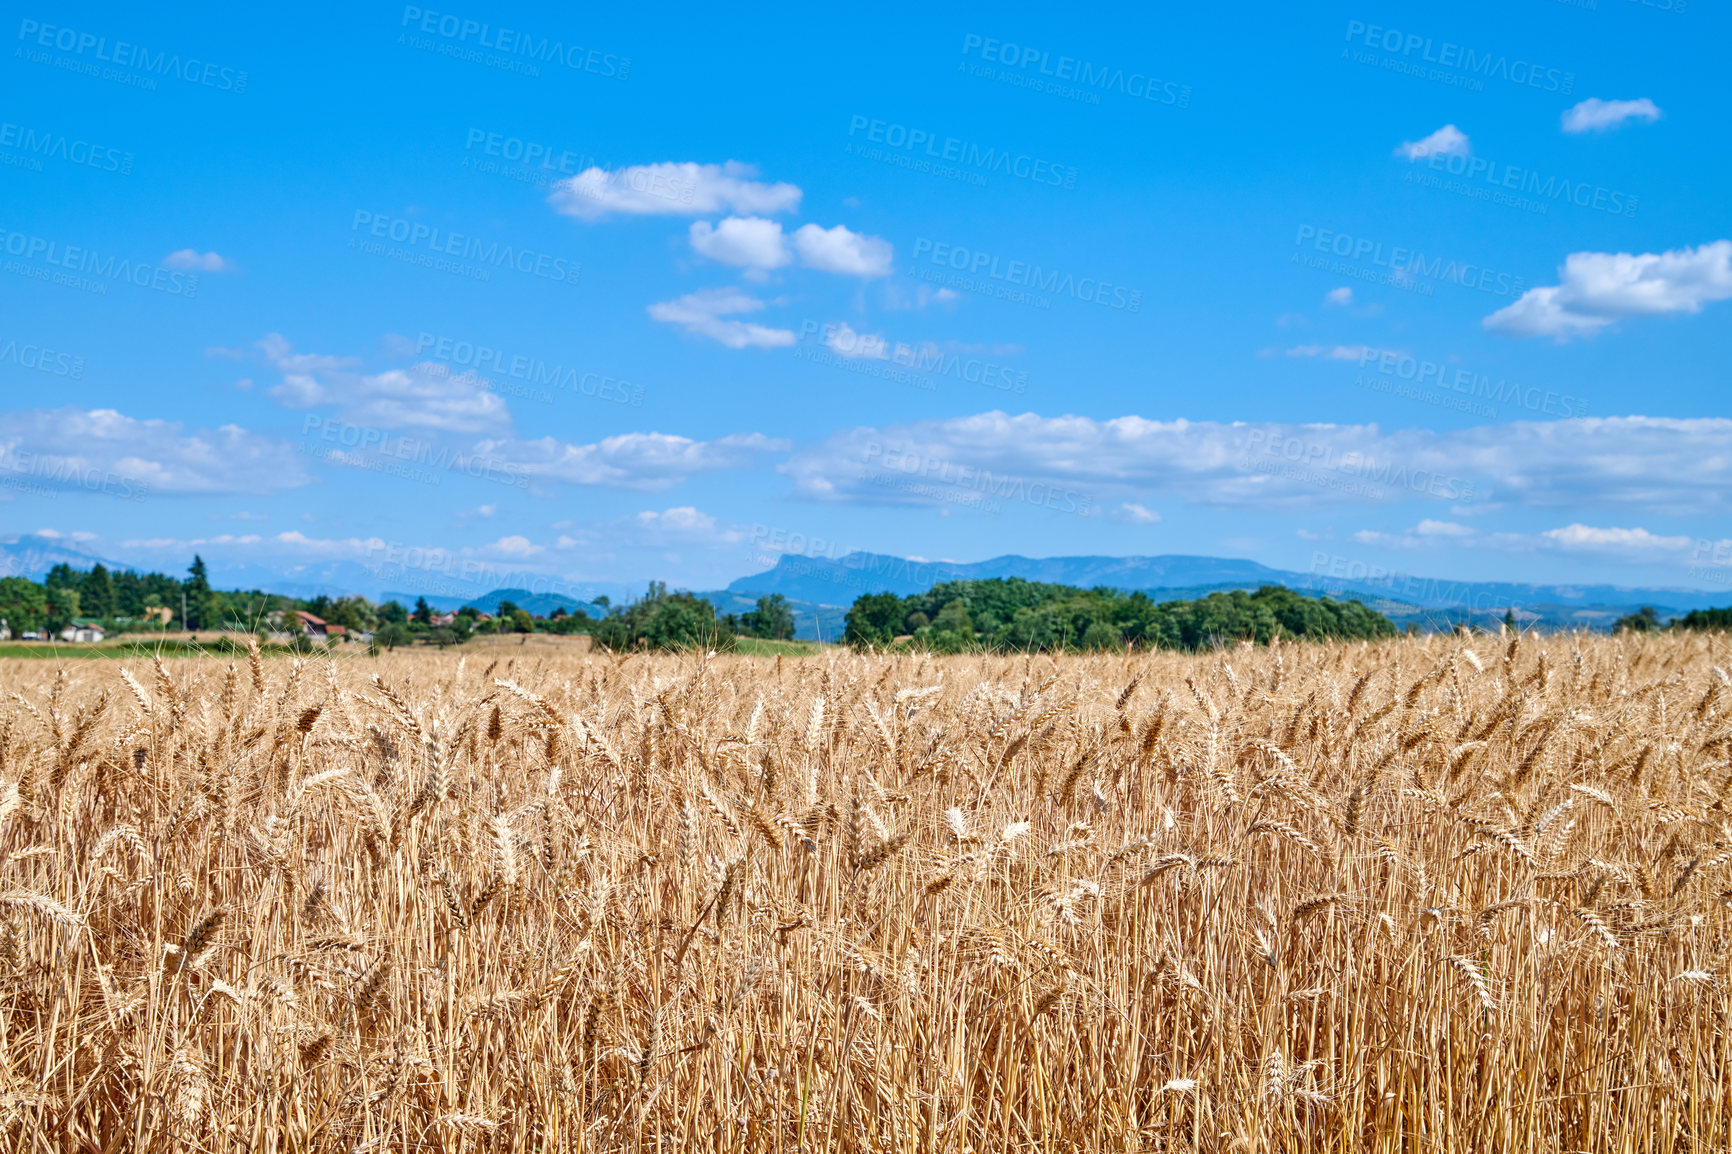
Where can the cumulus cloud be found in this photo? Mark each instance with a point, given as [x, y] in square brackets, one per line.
[1131, 513]
[422, 396]
[514, 545]
[1446, 141]
[1596, 115]
[757, 244]
[196, 261]
[104, 451]
[1600, 288]
[1342, 296]
[742, 241]
[682, 525]
[1657, 465]
[672, 189]
[647, 461]
[681, 519]
[840, 250]
[707, 313]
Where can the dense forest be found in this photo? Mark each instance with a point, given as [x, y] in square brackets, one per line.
[1017, 615]
[1705, 619]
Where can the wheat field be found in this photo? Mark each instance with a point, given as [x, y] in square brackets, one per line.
[1446, 893]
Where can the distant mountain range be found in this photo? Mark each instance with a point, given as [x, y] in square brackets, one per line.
[538, 604]
[821, 589]
[1404, 598]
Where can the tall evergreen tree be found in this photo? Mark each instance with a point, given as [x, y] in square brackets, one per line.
[203, 608]
[96, 592]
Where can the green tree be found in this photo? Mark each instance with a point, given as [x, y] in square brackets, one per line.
[423, 611]
[1644, 620]
[664, 620]
[62, 607]
[393, 634]
[873, 619]
[1706, 619]
[952, 630]
[1017, 615]
[355, 614]
[1101, 636]
[393, 613]
[773, 618]
[203, 609]
[23, 604]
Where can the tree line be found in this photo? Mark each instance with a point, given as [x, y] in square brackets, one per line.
[1647, 620]
[124, 601]
[1013, 614]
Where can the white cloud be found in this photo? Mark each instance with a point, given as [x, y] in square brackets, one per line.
[106, 452]
[742, 241]
[184, 543]
[648, 461]
[1656, 465]
[672, 189]
[422, 396]
[514, 546]
[840, 250]
[757, 244]
[1131, 513]
[1586, 538]
[1596, 115]
[683, 525]
[1332, 352]
[280, 353]
[1599, 288]
[1342, 296]
[291, 544]
[1446, 141]
[195, 261]
[895, 297]
[682, 519]
[1624, 544]
[704, 314]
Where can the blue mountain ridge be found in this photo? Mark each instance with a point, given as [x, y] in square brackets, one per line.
[838, 581]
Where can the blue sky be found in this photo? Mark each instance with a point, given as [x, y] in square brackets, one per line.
[615, 296]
